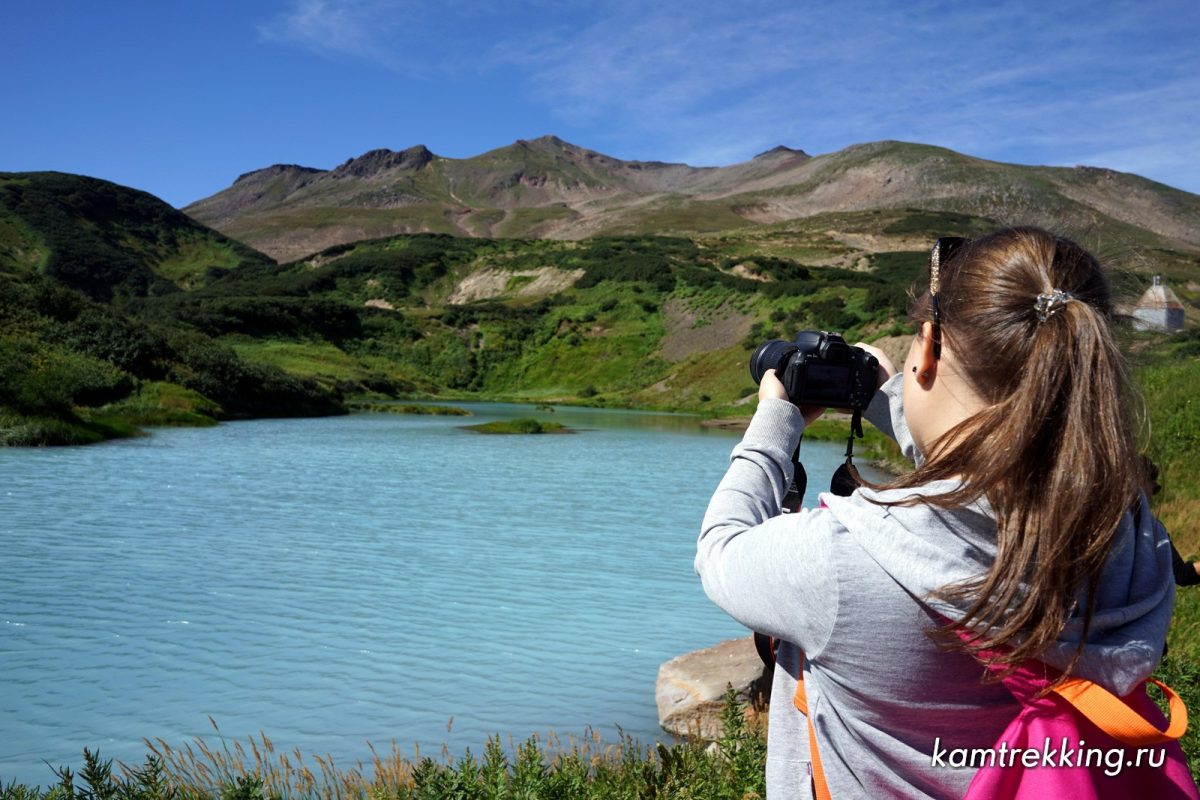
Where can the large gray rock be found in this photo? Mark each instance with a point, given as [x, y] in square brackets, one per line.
[690, 687]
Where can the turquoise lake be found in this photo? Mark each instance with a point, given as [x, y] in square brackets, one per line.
[334, 581]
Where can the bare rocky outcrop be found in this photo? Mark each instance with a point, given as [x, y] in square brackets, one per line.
[374, 162]
[489, 282]
[691, 687]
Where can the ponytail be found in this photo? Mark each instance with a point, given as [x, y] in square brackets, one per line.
[1053, 452]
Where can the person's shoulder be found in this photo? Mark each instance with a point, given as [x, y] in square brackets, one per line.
[910, 510]
[885, 501]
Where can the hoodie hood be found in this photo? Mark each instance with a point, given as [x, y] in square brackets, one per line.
[924, 548]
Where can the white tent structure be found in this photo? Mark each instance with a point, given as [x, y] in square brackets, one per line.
[1159, 309]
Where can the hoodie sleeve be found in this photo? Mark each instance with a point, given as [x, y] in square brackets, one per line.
[770, 571]
[886, 412]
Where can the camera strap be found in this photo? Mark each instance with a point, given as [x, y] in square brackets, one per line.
[794, 497]
[846, 478]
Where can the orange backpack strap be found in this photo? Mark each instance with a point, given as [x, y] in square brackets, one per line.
[1113, 716]
[820, 787]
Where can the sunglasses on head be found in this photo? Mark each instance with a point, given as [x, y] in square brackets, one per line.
[943, 250]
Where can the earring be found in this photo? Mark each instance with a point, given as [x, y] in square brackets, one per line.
[914, 370]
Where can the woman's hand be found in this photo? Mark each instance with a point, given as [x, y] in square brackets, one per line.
[770, 388]
[886, 368]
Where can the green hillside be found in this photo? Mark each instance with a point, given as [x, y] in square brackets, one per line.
[106, 240]
[77, 364]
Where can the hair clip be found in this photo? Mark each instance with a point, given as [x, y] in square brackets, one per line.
[1050, 302]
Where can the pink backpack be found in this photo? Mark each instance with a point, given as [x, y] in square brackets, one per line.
[1080, 742]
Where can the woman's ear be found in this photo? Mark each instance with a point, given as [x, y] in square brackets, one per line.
[923, 363]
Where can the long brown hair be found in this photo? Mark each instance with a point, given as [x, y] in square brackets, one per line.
[1054, 452]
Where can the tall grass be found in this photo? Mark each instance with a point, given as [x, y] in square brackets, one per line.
[730, 769]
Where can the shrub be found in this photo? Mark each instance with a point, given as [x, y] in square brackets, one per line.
[245, 390]
[778, 269]
[104, 334]
[264, 316]
[42, 379]
[647, 260]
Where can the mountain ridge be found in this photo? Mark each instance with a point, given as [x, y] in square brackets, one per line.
[547, 187]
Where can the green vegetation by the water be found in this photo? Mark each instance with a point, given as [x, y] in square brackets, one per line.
[410, 408]
[522, 425]
[76, 371]
[533, 770]
[1170, 378]
[1171, 384]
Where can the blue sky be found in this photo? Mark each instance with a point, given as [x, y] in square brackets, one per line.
[180, 98]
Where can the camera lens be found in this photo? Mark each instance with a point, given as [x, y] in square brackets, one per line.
[770, 355]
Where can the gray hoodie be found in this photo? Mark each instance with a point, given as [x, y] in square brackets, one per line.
[849, 586]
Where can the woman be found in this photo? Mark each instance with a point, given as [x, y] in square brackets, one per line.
[1015, 526]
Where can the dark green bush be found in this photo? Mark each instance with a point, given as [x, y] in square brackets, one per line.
[829, 314]
[264, 316]
[105, 334]
[44, 380]
[778, 269]
[245, 390]
[647, 260]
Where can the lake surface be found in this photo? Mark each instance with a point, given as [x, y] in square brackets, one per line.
[334, 581]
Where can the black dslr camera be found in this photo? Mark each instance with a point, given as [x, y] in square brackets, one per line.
[819, 369]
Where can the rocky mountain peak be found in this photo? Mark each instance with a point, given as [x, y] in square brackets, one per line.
[782, 150]
[277, 169]
[375, 161]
